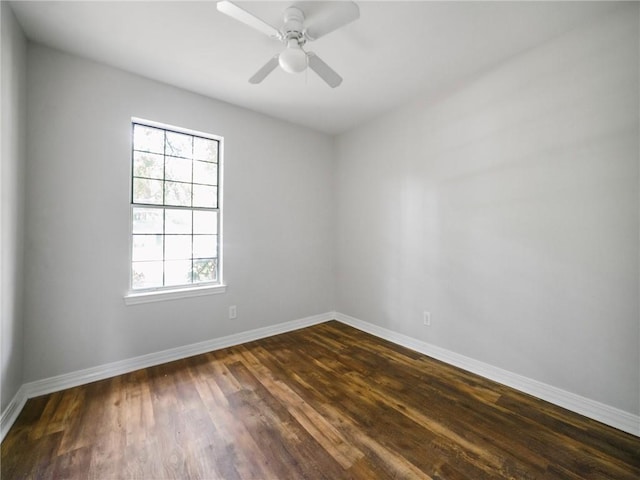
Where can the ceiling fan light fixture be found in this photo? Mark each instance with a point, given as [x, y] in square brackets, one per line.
[295, 33]
[293, 59]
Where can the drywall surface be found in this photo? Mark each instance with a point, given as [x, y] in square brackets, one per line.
[509, 209]
[12, 175]
[277, 218]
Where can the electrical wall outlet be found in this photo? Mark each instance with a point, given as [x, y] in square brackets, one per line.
[233, 312]
[426, 318]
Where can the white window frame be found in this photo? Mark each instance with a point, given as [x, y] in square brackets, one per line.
[154, 294]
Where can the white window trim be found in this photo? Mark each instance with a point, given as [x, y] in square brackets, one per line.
[136, 297]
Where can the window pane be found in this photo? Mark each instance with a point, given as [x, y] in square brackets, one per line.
[147, 220]
[148, 165]
[147, 247]
[177, 272]
[204, 196]
[146, 274]
[177, 247]
[178, 169]
[147, 191]
[205, 270]
[205, 172]
[148, 139]
[178, 194]
[179, 145]
[205, 222]
[205, 149]
[177, 221]
[205, 246]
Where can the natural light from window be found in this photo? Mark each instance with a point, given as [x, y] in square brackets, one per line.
[175, 208]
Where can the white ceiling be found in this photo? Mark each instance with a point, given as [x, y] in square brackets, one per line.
[394, 52]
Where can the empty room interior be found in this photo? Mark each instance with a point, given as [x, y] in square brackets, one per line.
[282, 240]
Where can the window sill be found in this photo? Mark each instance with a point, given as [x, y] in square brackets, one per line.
[162, 295]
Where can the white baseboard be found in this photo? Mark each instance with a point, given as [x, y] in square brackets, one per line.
[10, 414]
[81, 377]
[606, 414]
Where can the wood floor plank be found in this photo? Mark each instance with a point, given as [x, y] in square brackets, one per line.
[326, 401]
[362, 389]
[310, 419]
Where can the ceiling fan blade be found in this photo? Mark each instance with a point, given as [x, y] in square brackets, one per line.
[240, 14]
[268, 67]
[340, 14]
[323, 70]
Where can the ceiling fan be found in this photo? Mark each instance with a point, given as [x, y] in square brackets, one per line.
[295, 32]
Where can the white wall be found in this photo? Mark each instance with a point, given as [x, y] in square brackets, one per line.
[509, 208]
[278, 217]
[13, 127]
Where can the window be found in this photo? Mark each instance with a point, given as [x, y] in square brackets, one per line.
[175, 208]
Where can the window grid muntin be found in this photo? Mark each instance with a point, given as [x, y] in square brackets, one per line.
[193, 260]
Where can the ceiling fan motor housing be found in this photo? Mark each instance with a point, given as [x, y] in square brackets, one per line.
[293, 59]
[294, 24]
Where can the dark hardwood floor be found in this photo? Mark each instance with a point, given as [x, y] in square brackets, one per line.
[328, 402]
